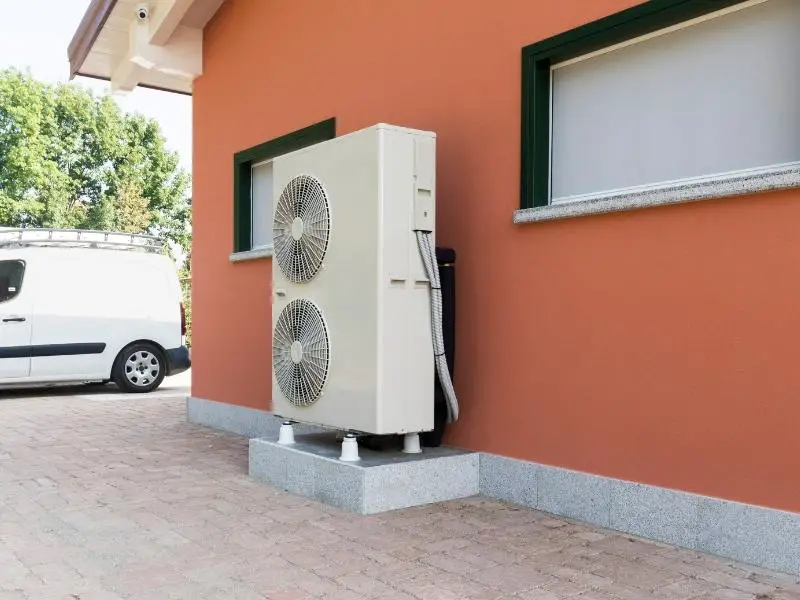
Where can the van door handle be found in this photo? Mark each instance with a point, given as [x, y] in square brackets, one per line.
[14, 320]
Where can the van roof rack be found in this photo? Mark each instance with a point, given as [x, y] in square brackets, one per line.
[78, 238]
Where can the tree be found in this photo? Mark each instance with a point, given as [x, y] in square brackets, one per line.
[73, 160]
[132, 212]
[185, 277]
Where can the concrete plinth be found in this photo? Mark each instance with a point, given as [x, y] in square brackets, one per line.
[379, 482]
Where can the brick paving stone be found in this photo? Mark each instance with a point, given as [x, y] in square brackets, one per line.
[726, 594]
[119, 498]
[684, 588]
[632, 573]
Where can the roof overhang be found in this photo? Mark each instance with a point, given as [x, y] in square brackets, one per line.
[163, 50]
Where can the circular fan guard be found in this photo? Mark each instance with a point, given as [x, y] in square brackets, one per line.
[301, 352]
[301, 228]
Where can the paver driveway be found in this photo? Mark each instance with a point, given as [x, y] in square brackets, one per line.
[107, 499]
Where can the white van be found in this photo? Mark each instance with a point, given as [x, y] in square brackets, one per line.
[84, 307]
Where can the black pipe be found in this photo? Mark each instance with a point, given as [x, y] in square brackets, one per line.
[446, 261]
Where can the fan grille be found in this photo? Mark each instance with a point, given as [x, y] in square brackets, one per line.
[301, 352]
[301, 228]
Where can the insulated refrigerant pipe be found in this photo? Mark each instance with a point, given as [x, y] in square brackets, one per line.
[428, 255]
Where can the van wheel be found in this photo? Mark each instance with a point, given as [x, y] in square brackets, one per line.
[139, 368]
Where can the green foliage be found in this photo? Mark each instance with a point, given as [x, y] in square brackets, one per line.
[70, 159]
[185, 276]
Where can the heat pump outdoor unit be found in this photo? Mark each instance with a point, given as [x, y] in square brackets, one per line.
[352, 344]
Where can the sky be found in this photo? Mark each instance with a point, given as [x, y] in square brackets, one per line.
[34, 34]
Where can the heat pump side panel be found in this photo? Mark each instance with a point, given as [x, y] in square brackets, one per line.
[406, 366]
[345, 289]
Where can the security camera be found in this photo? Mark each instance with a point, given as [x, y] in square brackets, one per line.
[142, 13]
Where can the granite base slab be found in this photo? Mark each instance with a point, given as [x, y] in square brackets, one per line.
[379, 482]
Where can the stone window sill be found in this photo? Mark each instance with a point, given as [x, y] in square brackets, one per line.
[751, 181]
[254, 254]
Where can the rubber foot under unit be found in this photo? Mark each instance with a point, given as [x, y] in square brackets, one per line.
[411, 444]
[349, 449]
[286, 434]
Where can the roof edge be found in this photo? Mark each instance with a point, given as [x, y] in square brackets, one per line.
[141, 85]
[85, 36]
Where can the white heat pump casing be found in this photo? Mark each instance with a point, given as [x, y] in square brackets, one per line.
[372, 288]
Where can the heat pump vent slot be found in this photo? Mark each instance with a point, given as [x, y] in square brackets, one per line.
[301, 352]
[301, 228]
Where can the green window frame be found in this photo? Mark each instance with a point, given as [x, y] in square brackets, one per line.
[537, 58]
[242, 168]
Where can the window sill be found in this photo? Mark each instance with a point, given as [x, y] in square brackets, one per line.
[254, 254]
[753, 181]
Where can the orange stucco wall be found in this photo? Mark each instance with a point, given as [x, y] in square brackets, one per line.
[657, 345]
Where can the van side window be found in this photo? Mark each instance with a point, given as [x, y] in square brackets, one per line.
[11, 274]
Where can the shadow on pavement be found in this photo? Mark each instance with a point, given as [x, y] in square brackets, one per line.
[59, 390]
[172, 386]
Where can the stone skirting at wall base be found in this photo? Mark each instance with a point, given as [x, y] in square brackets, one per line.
[756, 535]
[241, 420]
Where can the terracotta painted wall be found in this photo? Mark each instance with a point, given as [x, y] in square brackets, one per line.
[658, 345]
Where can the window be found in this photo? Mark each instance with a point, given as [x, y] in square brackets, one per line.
[11, 274]
[252, 187]
[262, 203]
[668, 95]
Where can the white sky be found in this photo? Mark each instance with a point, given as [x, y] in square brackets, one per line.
[35, 34]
